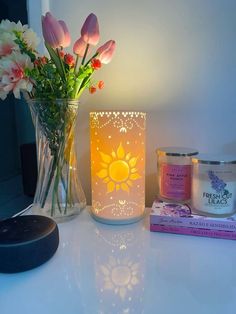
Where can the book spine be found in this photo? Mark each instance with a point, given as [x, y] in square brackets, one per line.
[194, 231]
[200, 223]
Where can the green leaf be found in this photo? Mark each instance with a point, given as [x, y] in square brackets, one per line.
[56, 60]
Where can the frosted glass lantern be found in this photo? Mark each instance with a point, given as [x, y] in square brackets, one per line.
[117, 166]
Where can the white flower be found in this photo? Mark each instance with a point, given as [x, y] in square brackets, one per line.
[7, 26]
[7, 44]
[31, 39]
[24, 32]
[12, 73]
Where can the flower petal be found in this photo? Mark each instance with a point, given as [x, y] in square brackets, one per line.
[125, 187]
[110, 187]
[133, 162]
[129, 183]
[90, 30]
[106, 158]
[53, 32]
[120, 152]
[106, 51]
[102, 173]
[67, 38]
[134, 176]
[127, 157]
[103, 165]
[80, 47]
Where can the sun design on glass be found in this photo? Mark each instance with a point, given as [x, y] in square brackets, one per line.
[118, 170]
[120, 276]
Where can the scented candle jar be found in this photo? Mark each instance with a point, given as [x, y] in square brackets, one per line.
[214, 185]
[174, 173]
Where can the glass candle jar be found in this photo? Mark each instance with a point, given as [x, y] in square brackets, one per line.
[174, 173]
[214, 185]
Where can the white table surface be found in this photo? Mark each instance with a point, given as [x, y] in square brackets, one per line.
[126, 269]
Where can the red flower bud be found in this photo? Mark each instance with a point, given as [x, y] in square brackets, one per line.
[43, 60]
[37, 62]
[40, 61]
[69, 59]
[92, 89]
[96, 64]
[62, 54]
[100, 84]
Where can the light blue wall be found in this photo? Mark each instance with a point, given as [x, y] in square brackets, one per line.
[175, 59]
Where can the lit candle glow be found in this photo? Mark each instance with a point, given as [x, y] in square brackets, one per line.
[118, 165]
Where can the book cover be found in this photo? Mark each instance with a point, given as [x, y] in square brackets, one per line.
[181, 215]
[194, 231]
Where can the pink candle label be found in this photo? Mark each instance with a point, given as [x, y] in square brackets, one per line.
[175, 181]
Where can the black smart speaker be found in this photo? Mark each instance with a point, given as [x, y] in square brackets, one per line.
[27, 242]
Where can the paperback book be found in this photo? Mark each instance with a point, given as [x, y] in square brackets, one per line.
[179, 218]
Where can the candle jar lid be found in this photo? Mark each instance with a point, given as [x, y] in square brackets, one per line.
[214, 159]
[176, 151]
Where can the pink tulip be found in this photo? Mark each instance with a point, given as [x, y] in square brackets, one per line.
[53, 32]
[67, 39]
[79, 47]
[90, 30]
[105, 52]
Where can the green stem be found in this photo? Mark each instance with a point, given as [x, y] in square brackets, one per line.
[62, 65]
[85, 54]
[53, 203]
[94, 56]
[83, 85]
[80, 92]
[57, 180]
[66, 189]
[70, 190]
[59, 177]
[77, 88]
[49, 182]
[76, 69]
[70, 172]
[55, 192]
[45, 76]
[56, 170]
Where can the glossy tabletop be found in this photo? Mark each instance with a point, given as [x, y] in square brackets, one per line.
[107, 269]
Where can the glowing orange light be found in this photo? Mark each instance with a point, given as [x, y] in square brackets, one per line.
[117, 165]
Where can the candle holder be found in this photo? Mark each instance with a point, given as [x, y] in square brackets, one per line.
[117, 166]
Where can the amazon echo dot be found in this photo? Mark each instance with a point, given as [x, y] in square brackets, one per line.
[27, 242]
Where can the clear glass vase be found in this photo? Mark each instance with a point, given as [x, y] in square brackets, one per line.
[59, 193]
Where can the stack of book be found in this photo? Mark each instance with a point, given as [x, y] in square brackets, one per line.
[179, 218]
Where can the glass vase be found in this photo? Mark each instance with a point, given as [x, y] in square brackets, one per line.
[59, 193]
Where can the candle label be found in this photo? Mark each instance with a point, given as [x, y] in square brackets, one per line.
[217, 197]
[175, 181]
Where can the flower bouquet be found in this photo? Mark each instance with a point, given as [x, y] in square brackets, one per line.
[52, 86]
